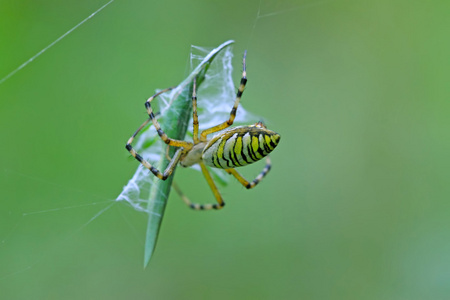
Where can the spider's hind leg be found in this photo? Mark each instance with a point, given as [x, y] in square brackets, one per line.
[255, 181]
[196, 206]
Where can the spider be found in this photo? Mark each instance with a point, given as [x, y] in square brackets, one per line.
[229, 149]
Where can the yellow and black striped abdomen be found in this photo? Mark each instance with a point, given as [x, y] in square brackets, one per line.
[240, 146]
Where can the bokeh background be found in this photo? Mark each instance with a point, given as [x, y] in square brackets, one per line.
[355, 207]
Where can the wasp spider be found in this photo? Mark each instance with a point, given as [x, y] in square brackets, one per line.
[232, 148]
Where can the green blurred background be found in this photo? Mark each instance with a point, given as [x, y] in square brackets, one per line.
[357, 203]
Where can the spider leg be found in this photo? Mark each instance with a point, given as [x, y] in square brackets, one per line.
[194, 112]
[230, 121]
[174, 160]
[258, 178]
[167, 153]
[168, 171]
[161, 133]
[220, 204]
[181, 194]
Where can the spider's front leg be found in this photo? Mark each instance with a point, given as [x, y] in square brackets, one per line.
[230, 121]
[161, 133]
[183, 146]
[168, 171]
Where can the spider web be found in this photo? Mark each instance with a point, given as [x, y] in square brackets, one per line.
[215, 96]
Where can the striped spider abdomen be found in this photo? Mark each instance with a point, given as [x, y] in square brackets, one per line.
[240, 146]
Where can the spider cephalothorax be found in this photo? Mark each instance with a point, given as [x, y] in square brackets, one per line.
[228, 149]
